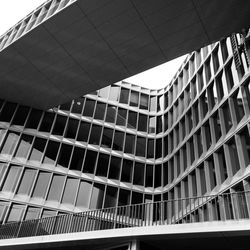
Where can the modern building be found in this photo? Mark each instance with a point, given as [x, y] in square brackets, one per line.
[125, 144]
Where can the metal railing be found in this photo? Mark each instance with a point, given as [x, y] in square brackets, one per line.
[228, 206]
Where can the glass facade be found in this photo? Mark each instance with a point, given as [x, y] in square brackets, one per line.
[125, 144]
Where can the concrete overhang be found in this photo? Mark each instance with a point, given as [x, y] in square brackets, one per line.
[90, 44]
[206, 235]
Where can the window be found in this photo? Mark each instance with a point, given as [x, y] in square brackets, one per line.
[59, 125]
[77, 159]
[16, 213]
[34, 119]
[64, 156]
[89, 108]
[142, 123]
[102, 165]
[32, 213]
[111, 114]
[7, 112]
[95, 135]
[127, 167]
[90, 161]
[51, 152]
[100, 111]
[114, 93]
[124, 197]
[26, 181]
[84, 194]
[97, 196]
[115, 168]
[110, 197]
[107, 138]
[144, 102]
[10, 143]
[11, 180]
[20, 115]
[77, 105]
[124, 95]
[130, 144]
[71, 128]
[70, 191]
[41, 185]
[121, 117]
[83, 132]
[118, 141]
[140, 146]
[132, 119]
[139, 170]
[56, 188]
[47, 122]
[37, 149]
[134, 99]
[24, 146]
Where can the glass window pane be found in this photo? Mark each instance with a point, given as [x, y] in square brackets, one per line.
[56, 188]
[32, 213]
[64, 156]
[24, 146]
[11, 179]
[20, 115]
[48, 213]
[104, 92]
[84, 194]
[26, 181]
[41, 185]
[142, 123]
[71, 128]
[107, 137]
[34, 119]
[89, 108]
[111, 114]
[10, 143]
[77, 105]
[16, 213]
[77, 159]
[134, 99]
[37, 149]
[90, 161]
[51, 152]
[47, 122]
[127, 167]
[115, 168]
[118, 141]
[97, 196]
[83, 132]
[144, 102]
[124, 197]
[111, 197]
[124, 96]
[95, 135]
[130, 144]
[114, 93]
[140, 146]
[3, 210]
[66, 106]
[70, 191]
[102, 165]
[139, 174]
[59, 125]
[121, 117]
[7, 112]
[132, 119]
[100, 111]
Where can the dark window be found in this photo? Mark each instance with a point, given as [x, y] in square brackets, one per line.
[89, 108]
[37, 149]
[124, 197]
[66, 106]
[127, 167]
[134, 98]
[102, 165]
[124, 95]
[150, 150]
[47, 122]
[111, 114]
[34, 119]
[139, 170]
[144, 102]
[64, 155]
[158, 174]
[121, 117]
[149, 176]
[95, 135]
[140, 146]
[107, 137]
[97, 196]
[100, 110]
[90, 161]
[77, 105]
[71, 128]
[142, 123]
[59, 125]
[83, 132]
[51, 152]
[132, 119]
[118, 141]
[111, 197]
[77, 159]
[115, 168]
[20, 115]
[130, 144]
[7, 111]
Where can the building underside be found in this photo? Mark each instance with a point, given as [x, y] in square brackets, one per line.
[68, 48]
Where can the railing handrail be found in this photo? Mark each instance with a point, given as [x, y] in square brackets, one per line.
[183, 210]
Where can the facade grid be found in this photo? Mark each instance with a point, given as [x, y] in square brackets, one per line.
[125, 144]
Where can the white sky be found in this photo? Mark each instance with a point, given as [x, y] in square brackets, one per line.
[12, 11]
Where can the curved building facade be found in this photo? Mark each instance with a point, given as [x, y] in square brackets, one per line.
[125, 144]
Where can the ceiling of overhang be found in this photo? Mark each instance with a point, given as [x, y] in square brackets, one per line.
[93, 43]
